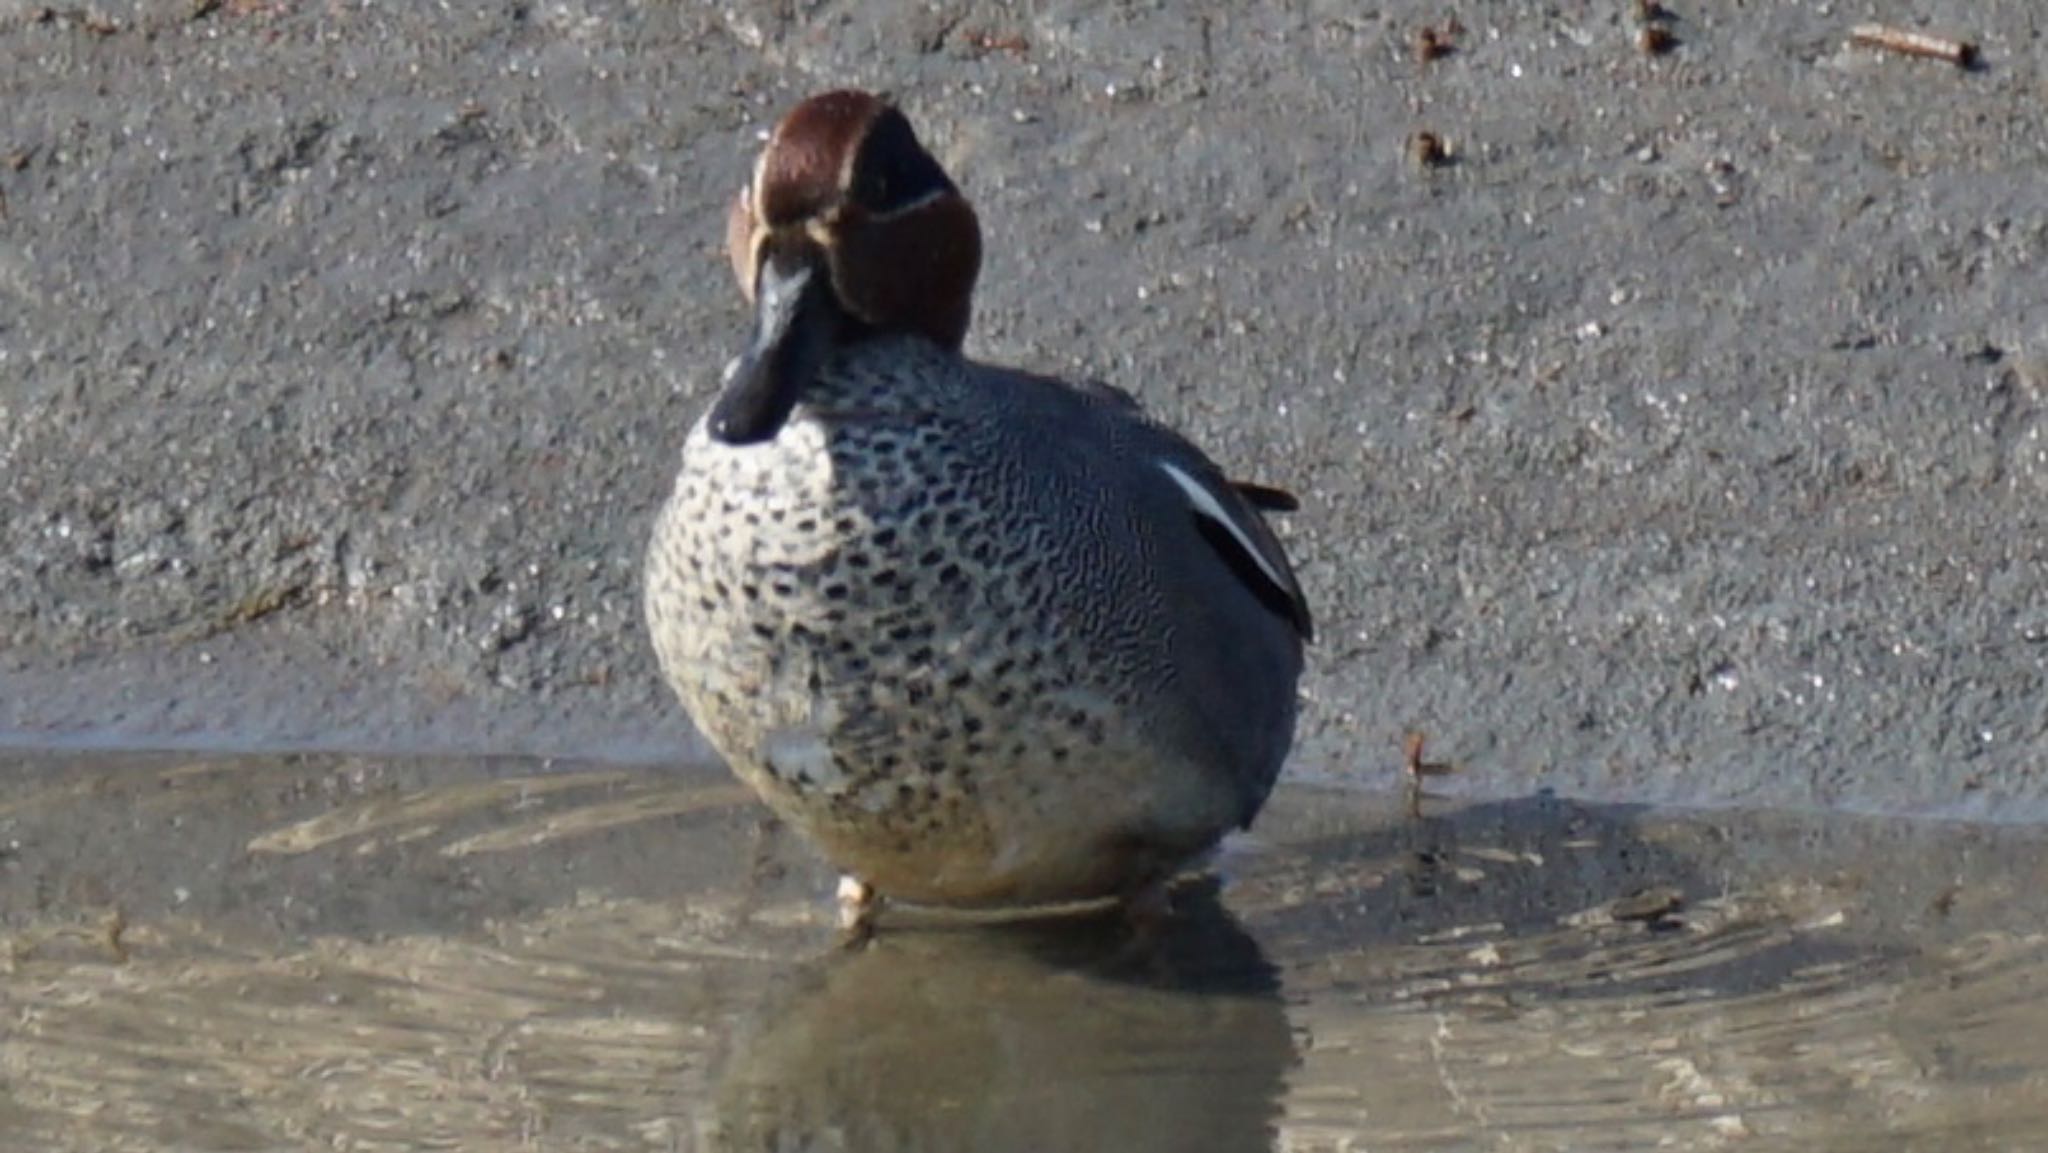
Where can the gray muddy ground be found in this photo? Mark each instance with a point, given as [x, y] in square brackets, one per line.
[1682, 438]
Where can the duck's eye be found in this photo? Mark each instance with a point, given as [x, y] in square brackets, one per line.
[893, 172]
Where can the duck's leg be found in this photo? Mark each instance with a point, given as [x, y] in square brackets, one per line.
[859, 905]
[1149, 907]
[1146, 911]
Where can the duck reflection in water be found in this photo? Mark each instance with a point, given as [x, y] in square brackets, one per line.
[1039, 1036]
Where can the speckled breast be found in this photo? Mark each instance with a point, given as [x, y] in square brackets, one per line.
[880, 644]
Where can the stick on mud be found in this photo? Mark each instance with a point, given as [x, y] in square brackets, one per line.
[1961, 53]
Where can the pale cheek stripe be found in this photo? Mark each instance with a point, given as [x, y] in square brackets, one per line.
[753, 189]
[1207, 505]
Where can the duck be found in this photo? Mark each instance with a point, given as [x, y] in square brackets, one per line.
[987, 638]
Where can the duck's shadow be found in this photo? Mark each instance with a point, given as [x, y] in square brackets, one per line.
[1048, 1035]
[1545, 899]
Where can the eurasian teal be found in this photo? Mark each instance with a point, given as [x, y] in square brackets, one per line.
[991, 639]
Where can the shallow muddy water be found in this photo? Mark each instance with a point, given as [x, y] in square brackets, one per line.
[379, 954]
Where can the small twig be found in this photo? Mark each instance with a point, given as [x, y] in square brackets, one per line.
[1961, 53]
[1656, 903]
[1436, 41]
[1428, 150]
[1653, 33]
[112, 926]
[1430, 45]
[1417, 769]
[984, 43]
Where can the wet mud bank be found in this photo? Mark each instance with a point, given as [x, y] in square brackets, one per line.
[1678, 437]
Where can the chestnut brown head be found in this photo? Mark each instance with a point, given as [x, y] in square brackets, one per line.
[848, 228]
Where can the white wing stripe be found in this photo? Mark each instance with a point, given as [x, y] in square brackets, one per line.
[1207, 505]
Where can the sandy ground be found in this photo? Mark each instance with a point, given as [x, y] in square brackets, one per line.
[1685, 437]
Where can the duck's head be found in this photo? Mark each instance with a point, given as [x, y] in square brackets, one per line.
[848, 229]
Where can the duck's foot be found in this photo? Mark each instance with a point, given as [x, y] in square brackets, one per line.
[1147, 912]
[859, 906]
[1148, 907]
